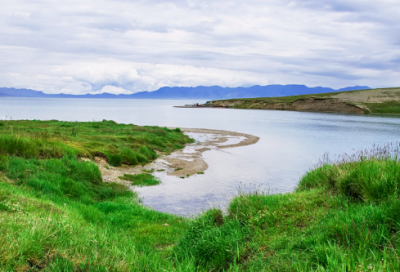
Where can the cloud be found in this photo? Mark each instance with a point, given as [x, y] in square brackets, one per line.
[130, 46]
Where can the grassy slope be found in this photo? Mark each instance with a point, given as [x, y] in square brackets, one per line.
[382, 108]
[344, 216]
[57, 215]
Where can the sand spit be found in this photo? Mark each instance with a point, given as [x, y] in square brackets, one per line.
[182, 163]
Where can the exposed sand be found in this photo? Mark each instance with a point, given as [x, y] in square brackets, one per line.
[182, 163]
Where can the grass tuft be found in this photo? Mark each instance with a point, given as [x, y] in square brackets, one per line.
[141, 179]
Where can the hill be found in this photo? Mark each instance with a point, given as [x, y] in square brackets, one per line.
[383, 101]
[200, 92]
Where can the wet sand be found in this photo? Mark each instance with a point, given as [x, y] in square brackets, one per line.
[182, 163]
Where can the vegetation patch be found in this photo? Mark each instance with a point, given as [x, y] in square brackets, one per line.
[391, 107]
[141, 179]
[118, 143]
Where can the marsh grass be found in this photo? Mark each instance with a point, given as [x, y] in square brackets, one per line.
[141, 179]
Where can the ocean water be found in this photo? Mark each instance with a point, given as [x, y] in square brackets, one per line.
[290, 143]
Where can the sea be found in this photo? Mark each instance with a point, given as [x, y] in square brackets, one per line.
[291, 143]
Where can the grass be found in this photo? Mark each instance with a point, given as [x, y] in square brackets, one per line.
[141, 179]
[118, 143]
[344, 216]
[57, 215]
[391, 107]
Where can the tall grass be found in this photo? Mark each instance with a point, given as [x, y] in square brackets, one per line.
[34, 148]
[344, 216]
[369, 175]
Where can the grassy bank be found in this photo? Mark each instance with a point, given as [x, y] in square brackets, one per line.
[344, 216]
[118, 143]
[57, 215]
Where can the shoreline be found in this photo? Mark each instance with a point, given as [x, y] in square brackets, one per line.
[181, 163]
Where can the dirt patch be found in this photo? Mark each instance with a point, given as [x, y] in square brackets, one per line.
[182, 163]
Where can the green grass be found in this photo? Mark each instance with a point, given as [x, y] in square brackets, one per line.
[344, 216]
[391, 107]
[141, 179]
[56, 214]
[118, 143]
[148, 171]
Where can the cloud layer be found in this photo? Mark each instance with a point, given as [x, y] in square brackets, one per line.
[125, 46]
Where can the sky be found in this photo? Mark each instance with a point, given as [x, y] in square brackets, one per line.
[124, 46]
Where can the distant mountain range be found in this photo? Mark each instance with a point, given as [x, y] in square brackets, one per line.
[213, 92]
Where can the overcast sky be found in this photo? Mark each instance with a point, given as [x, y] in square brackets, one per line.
[125, 46]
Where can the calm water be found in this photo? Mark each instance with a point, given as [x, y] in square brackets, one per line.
[290, 143]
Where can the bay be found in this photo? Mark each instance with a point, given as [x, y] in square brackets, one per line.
[290, 143]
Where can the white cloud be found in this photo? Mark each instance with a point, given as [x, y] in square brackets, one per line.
[130, 46]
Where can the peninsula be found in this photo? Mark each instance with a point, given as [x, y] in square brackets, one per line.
[377, 101]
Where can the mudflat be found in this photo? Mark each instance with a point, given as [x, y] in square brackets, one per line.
[182, 163]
